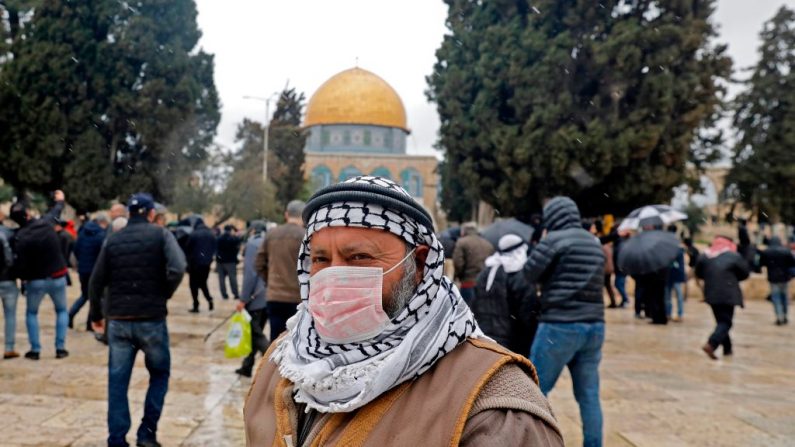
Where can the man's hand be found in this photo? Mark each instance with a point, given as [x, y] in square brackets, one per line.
[240, 306]
[59, 196]
[98, 326]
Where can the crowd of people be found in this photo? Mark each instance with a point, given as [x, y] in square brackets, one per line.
[369, 321]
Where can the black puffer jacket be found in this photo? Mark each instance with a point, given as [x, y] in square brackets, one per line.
[722, 275]
[508, 311]
[778, 260]
[569, 264]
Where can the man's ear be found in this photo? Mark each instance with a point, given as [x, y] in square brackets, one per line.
[420, 255]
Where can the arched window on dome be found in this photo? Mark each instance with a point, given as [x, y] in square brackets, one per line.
[411, 181]
[382, 172]
[349, 172]
[321, 177]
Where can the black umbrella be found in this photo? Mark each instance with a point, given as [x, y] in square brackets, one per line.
[498, 229]
[648, 252]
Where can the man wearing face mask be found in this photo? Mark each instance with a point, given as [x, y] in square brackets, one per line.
[378, 336]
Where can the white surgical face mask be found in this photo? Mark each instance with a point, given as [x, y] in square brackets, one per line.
[346, 303]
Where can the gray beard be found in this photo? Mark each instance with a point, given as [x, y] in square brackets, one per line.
[404, 290]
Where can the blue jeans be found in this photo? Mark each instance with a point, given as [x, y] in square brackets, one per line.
[578, 346]
[621, 286]
[9, 293]
[36, 289]
[680, 299]
[778, 293]
[125, 338]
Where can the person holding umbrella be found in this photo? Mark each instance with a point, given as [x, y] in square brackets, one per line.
[648, 257]
[722, 269]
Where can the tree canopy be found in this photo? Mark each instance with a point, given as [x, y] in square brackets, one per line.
[103, 98]
[603, 101]
[287, 141]
[763, 172]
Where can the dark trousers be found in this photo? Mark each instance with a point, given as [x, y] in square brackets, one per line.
[724, 314]
[652, 293]
[198, 281]
[228, 270]
[77, 305]
[278, 314]
[126, 338]
[609, 288]
[259, 342]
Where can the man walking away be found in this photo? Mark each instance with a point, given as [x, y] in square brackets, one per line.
[42, 268]
[253, 298]
[276, 263]
[779, 261]
[676, 282]
[722, 269]
[469, 258]
[569, 265]
[87, 248]
[200, 251]
[226, 260]
[8, 290]
[141, 266]
[505, 305]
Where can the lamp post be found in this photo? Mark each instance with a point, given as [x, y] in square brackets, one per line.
[266, 132]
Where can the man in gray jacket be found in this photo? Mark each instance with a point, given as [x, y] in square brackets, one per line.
[252, 298]
[569, 266]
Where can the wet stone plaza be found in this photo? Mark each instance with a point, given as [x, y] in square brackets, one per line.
[658, 388]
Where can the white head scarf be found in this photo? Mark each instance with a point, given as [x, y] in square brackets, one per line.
[511, 255]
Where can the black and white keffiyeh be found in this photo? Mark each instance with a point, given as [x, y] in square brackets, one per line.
[341, 378]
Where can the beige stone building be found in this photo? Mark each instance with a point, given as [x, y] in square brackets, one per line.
[357, 125]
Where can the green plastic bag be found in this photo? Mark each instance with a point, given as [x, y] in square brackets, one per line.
[238, 336]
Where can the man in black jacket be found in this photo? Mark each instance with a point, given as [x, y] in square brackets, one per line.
[226, 260]
[41, 266]
[141, 265]
[200, 251]
[722, 269]
[569, 265]
[778, 260]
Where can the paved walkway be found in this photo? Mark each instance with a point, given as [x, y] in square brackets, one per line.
[658, 388]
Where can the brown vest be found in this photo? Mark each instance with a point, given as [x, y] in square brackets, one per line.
[429, 411]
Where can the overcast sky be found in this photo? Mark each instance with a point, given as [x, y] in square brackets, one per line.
[259, 46]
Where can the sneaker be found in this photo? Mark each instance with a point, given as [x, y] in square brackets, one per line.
[243, 372]
[210, 304]
[10, 355]
[710, 351]
[612, 306]
[150, 443]
[32, 355]
[102, 338]
[61, 353]
[71, 322]
[194, 311]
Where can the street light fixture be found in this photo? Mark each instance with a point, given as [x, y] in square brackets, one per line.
[266, 132]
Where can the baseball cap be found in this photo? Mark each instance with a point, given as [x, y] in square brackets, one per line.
[140, 203]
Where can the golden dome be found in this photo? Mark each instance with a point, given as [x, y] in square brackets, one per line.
[356, 96]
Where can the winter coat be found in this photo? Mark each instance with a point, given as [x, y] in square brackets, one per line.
[253, 291]
[469, 256]
[569, 265]
[6, 254]
[276, 261]
[228, 248]
[722, 275]
[778, 260]
[677, 273]
[507, 310]
[39, 254]
[88, 245]
[201, 246]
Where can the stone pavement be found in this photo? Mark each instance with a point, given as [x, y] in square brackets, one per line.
[658, 388]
